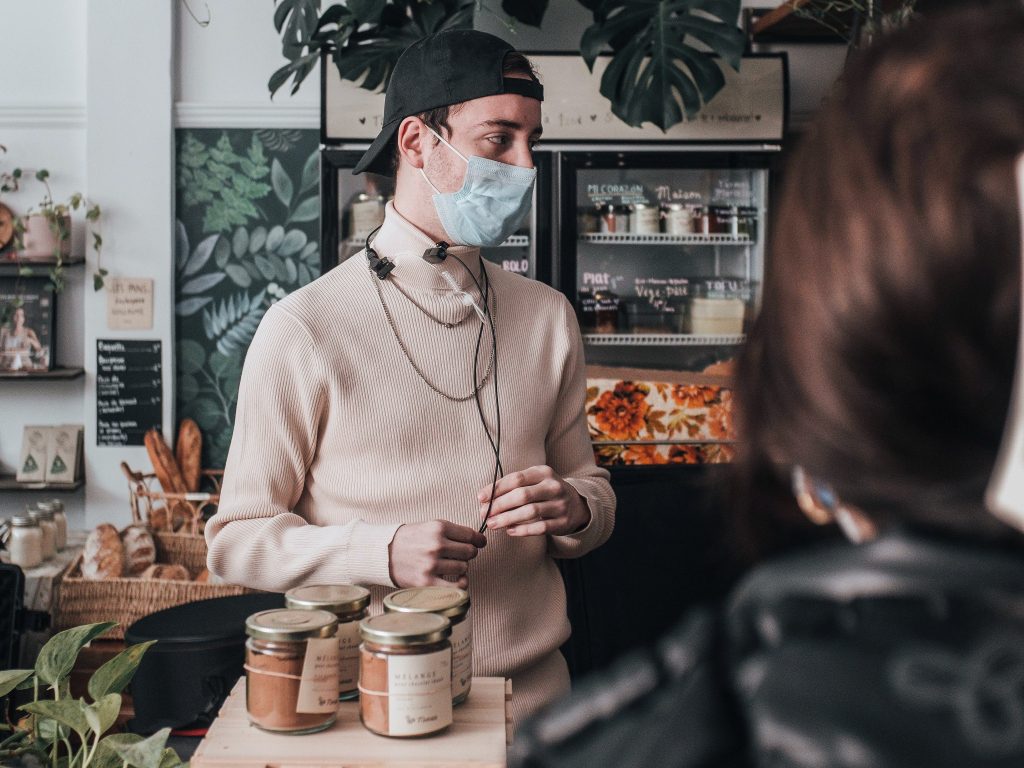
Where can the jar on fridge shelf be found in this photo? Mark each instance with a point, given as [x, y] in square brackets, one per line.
[365, 214]
[748, 221]
[700, 221]
[608, 220]
[587, 304]
[677, 219]
[622, 219]
[725, 220]
[607, 312]
[644, 219]
[589, 219]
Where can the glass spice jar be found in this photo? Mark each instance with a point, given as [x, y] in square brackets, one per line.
[25, 542]
[405, 674]
[291, 665]
[349, 603]
[453, 604]
[56, 506]
[49, 530]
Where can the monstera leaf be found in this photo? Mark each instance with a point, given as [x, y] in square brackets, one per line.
[655, 74]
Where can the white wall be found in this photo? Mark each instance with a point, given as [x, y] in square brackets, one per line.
[42, 122]
[97, 105]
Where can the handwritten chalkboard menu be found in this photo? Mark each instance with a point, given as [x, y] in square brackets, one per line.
[129, 387]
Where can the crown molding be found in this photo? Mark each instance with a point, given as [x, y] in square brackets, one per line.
[42, 115]
[193, 114]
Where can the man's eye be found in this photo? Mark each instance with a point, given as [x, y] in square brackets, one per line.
[499, 140]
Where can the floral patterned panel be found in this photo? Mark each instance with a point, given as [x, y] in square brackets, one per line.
[637, 411]
[247, 234]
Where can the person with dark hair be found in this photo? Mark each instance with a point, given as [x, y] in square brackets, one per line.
[415, 396]
[877, 382]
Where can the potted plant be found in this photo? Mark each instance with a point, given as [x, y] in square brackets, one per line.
[667, 55]
[59, 730]
[43, 233]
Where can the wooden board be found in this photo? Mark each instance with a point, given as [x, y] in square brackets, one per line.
[477, 738]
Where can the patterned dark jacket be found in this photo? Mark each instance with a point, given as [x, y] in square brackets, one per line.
[903, 653]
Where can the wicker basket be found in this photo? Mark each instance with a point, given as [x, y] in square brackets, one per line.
[126, 600]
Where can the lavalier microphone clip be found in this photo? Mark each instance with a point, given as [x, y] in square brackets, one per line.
[437, 254]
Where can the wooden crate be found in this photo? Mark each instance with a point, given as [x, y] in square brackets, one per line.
[476, 739]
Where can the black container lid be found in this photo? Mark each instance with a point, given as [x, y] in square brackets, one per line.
[204, 621]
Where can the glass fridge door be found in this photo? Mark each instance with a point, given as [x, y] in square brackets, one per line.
[663, 255]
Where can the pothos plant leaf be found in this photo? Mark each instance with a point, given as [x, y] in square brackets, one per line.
[657, 73]
[12, 678]
[57, 658]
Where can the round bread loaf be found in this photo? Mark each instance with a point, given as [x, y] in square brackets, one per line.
[139, 549]
[103, 555]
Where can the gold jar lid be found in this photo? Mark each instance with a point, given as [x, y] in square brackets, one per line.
[444, 601]
[405, 629]
[336, 598]
[291, 624]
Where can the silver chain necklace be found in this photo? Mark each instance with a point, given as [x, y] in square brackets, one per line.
[405, 351]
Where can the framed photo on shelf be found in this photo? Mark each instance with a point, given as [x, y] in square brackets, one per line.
[26, 324]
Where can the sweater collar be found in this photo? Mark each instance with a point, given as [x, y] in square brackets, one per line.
[404, 243]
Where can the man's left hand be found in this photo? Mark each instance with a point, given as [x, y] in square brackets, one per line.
[534, 502]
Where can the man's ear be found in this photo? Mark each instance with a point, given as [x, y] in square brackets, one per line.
[413, 138]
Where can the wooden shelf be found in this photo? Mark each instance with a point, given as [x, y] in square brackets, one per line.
[11, 268]
[56, 373]
[8, 483]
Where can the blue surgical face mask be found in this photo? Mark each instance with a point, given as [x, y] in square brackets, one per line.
[490, 206]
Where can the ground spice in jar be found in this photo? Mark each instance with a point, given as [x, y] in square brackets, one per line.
[348, 602]
[405, 679]
[291, 664]
[453, 604]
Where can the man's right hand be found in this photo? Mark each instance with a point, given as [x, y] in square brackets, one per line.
[422, 554]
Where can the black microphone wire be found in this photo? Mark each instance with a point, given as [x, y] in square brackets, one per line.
[495, 441]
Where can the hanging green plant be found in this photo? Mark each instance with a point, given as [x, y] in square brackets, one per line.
[667, 55]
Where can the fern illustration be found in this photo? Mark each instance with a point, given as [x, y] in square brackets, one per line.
[232, 322]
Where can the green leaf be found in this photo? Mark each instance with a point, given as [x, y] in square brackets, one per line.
[239, 243]
[102, 714]
[656, 75]
[12, 678]
[191, 357]
[238, 275]
[106, 755]
[281, 182]
[308, 210]
[116, 673]
[57, 658]
[257, 239]
[274, 238]
[202, 284]
[191, 306]
[366, 11]
[293, 242]
[222, 252]
[202, 255]
[310, 171]
[67, 712]
[188, 387]
[206, 413]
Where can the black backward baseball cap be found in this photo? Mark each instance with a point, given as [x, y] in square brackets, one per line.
[445, 68]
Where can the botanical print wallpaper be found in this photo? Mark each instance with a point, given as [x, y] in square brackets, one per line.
[247, 234]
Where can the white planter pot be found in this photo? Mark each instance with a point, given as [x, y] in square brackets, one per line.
[40, 242]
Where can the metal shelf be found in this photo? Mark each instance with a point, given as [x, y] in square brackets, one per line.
[40, 268]
[662, 340]
[515, 241]
[662, 239]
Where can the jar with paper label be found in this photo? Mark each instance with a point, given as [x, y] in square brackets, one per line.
[365, 214]
[644, 219]
[677, 219]
[453, 604]
[56, 506]
[349, 603]
[405, 674]
[291, 666]
[48, 527]
[24, 542]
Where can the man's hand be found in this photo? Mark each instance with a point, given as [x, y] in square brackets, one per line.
[422, 553]
[534, 502]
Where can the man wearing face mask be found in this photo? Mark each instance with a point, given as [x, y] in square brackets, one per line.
[412, 397]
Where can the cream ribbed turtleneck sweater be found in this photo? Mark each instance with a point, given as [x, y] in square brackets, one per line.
[338, 442]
